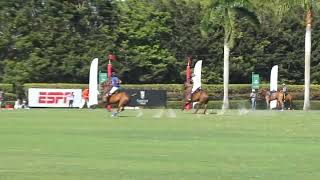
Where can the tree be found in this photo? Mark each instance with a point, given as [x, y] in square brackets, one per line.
[227, 13]
[143, 58]
[281, 8]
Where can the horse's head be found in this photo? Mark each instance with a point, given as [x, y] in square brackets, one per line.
[262, 91]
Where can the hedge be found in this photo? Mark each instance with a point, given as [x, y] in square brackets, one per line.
[54, 86]
[175, 91]
[6, 88]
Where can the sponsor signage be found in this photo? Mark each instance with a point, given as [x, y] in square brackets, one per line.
[147, 98]
[40, 97]
[102, 77]
[255, 81]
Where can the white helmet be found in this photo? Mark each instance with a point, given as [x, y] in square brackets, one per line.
[253, 90]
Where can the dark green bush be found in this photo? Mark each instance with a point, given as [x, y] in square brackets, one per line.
[57, 86]
[6, 87]
[175, 91]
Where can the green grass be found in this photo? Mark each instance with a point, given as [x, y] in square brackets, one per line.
[89, 144]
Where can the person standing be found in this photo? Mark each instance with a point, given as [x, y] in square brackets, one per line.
[253, 97]
[1, 98]
[71, 99]
[85, 98]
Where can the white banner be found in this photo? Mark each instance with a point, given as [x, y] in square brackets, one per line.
[274, 84]
[38, 97]
[197, 76]
[93, 83]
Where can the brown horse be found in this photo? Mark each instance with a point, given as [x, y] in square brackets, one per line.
[200, 96]
[120, 98]
[277, 95]
[288, 101]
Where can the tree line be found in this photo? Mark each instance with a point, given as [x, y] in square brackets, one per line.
[55, 41]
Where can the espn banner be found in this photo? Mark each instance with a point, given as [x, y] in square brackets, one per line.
[38, 97]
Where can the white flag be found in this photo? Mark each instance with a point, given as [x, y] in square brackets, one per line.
[274, 84]
[93, 83]
[197, 76]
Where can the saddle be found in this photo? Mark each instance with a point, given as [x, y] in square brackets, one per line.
[198, 90]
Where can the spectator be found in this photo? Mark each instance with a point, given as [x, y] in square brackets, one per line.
[25, 104]
[18, 104]
[71, 99]
[1, 98]
[85, 98]
[253, 97]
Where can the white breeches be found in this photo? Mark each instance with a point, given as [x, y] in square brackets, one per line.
[113, 89]
[194, 88]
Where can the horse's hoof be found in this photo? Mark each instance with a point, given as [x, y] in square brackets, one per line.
[114, 115]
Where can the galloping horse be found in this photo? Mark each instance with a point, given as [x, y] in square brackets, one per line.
[120, 98]
[279, 96]
[200, 96]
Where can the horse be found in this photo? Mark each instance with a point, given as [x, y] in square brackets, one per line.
[288, 101]
[200, 96]
[277, 95]
[119, 98]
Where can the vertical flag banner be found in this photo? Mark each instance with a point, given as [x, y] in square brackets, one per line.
[274, 84]
[93, 83]
[197, 75]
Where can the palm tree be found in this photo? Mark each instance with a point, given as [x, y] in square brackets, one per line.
[281, 8]
[226, 13]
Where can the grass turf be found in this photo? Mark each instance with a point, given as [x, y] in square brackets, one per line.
[158, 144]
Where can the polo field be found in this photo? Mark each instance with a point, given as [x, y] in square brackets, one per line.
[159, 144]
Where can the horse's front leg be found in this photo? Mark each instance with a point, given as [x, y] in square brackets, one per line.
[117, 111]
[183, 105]
[198, 107]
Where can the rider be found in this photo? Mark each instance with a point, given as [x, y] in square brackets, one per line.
[115, 82]
[190, 83]
[187, 85]
[285, 91]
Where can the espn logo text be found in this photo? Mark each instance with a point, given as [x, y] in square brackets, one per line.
[53, 97]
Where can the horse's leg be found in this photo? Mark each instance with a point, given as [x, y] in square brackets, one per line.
[268, 102]
[117, 111]
[183, 105]
[282, 105]
[205, 108]
[198, 107]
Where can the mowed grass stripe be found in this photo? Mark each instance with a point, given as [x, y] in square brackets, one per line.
[156, 144]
